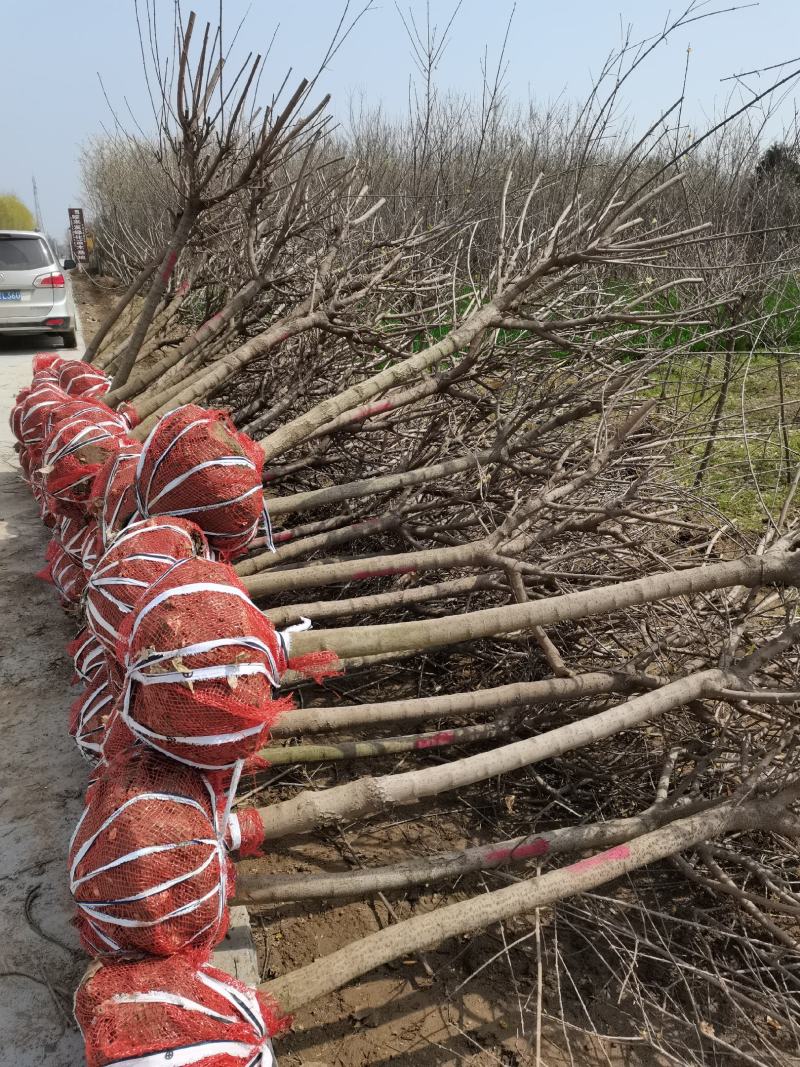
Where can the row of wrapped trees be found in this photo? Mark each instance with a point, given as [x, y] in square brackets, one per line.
[488, 369]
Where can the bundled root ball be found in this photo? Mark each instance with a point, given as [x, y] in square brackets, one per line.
[138, 557]
[202, 665]
[73, 453]
[177, 1010]
[195, 463]
[82, 379]
[148, 868]
[89, 714]
[67, 576]
[112, 498]
[87, 654]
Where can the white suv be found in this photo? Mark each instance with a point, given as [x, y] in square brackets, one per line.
[35, 296]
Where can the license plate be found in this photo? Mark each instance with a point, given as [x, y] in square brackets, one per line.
[10, 294]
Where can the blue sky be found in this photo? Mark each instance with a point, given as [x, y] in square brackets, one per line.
[54, 51]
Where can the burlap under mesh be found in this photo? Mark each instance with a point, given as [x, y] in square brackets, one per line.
[202, 664]
[137, 558]
[81, 379]
[112, 497]
[197, 464]
[73, 453]
[147, 864]
[183, 1008]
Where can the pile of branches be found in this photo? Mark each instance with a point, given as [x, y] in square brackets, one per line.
[474, 456]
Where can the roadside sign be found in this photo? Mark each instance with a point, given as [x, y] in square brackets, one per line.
[77, 234]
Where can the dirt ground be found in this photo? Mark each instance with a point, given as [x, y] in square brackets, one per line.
[94, 298]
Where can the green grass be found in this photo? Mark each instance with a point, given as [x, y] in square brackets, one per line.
[745, 475]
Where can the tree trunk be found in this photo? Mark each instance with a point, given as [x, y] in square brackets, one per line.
[448, 866]
[774, 567]
[281, 756]
[202, 335]
[113, 316]
[158, 287]
[208, 378]
[366, 796]
[336, 969]
[518, 694]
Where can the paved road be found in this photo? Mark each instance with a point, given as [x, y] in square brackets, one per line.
[42, 777]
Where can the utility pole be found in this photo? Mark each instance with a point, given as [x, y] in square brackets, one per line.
[36, 208]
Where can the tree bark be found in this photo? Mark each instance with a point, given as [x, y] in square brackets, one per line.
[280, 756]
[518, 694]
[336, 969]
[202, 335]
[158, 287]
[397, 599]
[113, 316]
[208, 378]
[312, 810]
[448, 866]
[774, 567]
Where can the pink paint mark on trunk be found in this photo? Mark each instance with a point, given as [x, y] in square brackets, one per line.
[538, 847]
[284, 535]
[361, 414]
[444, 737]
[169, 267]
[183, 288]
[384, 572]
[619, 852]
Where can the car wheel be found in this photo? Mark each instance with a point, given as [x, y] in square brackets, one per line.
[70, 339]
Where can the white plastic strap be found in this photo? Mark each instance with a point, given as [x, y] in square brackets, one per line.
[190, 1054]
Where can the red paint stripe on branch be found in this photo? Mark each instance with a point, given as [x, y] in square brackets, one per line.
[538, 847]
[444, 737]
[619, 852]
[382, 573]
[169, 267]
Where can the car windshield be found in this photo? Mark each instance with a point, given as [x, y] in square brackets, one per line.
[23, 253]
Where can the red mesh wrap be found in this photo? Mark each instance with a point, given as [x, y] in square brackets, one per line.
[316, 665]
[128, 413]
[202, 663]
[88, 715]
[94, 410]
[68, 578]
[87, 655]
[70, 534]
[118, 740]
[196, 463]
[89, 547]
[18, 410]
[250, 836]
[36, 407]
[137, 558]
[43, 499]
[73, 454]
[147, 865]
[81, 379]
[132, 1010]
[112, 498]
[48, 365]
[28, 459]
